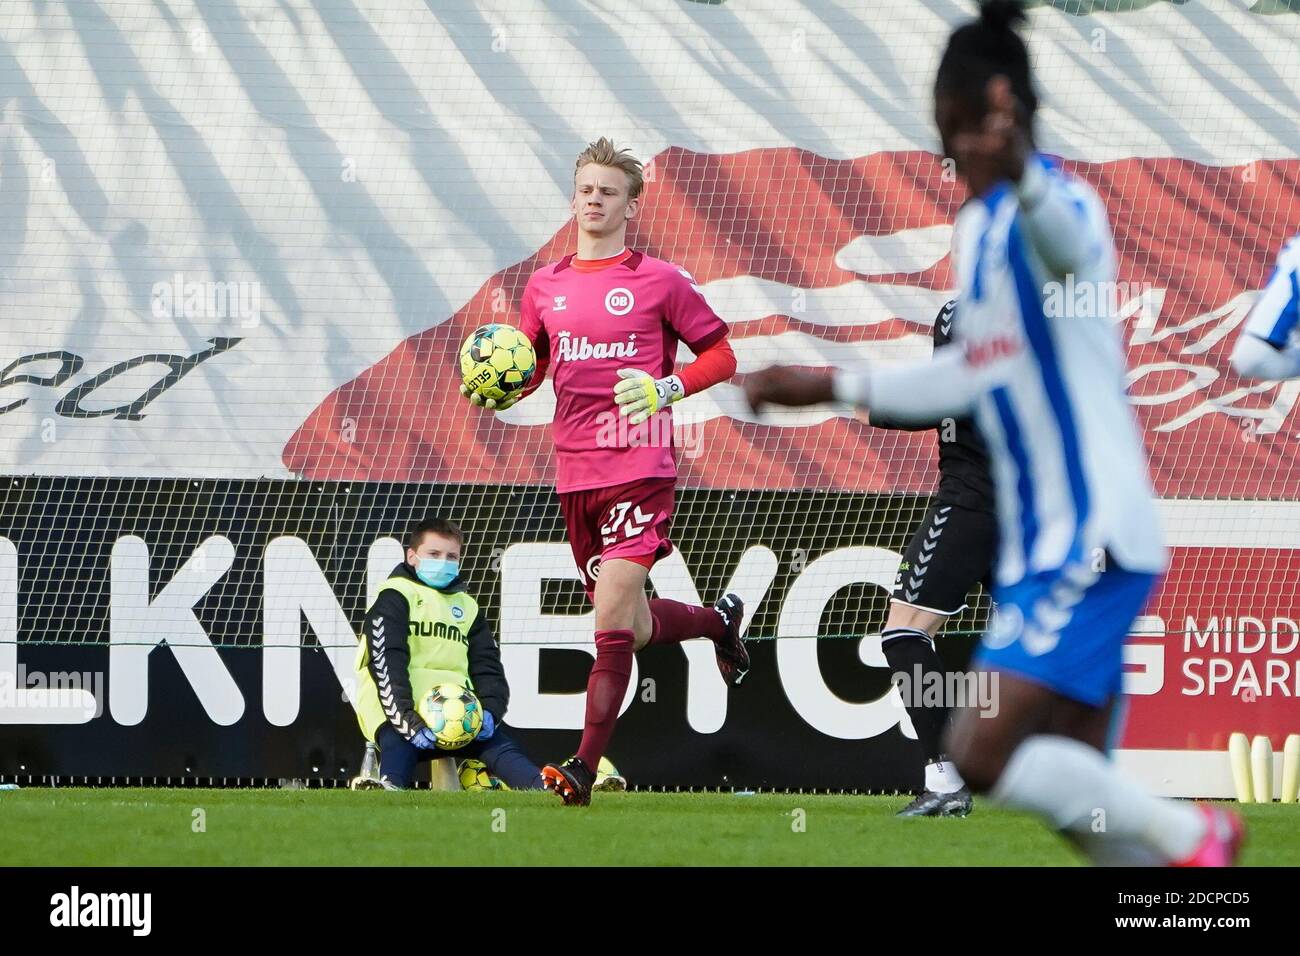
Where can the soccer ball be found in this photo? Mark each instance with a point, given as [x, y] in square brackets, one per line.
[608, 777]
[496, 361]
[454, 715]
[474, 775]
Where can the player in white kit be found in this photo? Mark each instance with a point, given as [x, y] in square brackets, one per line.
[1269, 344]
[1079, 541]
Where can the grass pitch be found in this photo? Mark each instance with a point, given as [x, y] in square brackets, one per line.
[191, 827]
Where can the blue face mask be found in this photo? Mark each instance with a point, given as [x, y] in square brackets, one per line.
[437, 572]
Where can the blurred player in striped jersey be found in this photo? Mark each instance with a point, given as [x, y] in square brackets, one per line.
[1079, 540]
[951, 551]
[608, 320]
[1269, 344]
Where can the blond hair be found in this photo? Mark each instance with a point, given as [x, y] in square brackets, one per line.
[603, 152]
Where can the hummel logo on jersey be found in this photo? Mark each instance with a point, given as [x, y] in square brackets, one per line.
[559, 304]
[437, 629]
[580, 349]
[945, 319]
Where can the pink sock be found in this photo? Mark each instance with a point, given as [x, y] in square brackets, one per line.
[674, 622]
[605, 689]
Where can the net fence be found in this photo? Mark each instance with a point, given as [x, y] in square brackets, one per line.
[241, 244]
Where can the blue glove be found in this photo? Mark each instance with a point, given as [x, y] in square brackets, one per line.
[425, 739]
[489, 727]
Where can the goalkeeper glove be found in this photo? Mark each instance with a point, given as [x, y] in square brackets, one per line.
[639, 396]
[425, 740]
[489, 726]
[491, 403]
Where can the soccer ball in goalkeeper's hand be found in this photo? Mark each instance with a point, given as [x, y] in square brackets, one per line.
[496, 361]
[453, 714]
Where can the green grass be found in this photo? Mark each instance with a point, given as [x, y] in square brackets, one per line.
[74, 827]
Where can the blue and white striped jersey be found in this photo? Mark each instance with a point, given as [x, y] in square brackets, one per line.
[1269, 344]
[1042, 365]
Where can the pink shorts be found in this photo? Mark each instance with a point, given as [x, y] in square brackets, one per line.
[622, 521]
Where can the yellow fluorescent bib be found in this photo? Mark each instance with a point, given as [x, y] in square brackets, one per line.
[438, 638]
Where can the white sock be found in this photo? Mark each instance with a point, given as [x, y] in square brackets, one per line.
[1083, 794]
[942, 777]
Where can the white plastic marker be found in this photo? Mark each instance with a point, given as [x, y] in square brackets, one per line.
[1239, 757]
[1290, 768]
[1261, 768]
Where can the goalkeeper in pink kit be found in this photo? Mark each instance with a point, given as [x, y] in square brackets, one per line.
[608, 321]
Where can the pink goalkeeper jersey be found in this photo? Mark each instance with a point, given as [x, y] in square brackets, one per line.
[591, 323]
